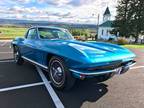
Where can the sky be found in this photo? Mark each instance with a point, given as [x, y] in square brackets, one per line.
[70, 11]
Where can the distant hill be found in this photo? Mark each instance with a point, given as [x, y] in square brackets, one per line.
[28, 23]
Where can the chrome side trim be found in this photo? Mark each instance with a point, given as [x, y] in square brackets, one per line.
[93, 73]
[131, 64]
[35, 62]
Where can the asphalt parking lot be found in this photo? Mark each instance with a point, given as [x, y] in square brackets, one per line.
[26, 87]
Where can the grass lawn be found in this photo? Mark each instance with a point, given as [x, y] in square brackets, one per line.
[12, 32]
[134, 46]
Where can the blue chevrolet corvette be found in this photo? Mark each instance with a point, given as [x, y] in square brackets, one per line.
[65, 59]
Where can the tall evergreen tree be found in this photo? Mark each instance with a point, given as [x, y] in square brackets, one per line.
[137, 19]
[122, 20]
[130, 18]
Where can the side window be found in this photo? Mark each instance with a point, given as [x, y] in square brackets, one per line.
[31, 34]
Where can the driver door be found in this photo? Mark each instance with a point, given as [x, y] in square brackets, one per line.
[29, 44]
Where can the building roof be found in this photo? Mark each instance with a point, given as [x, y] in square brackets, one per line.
[107, 12]
[106, 24]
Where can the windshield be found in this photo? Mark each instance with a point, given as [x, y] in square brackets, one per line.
[49, 33]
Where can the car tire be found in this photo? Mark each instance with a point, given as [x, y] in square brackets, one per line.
[59, 74]
[17, 56]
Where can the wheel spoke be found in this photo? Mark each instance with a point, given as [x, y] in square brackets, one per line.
[57, 72]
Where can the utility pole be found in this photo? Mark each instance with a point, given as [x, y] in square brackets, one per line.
[97, 27]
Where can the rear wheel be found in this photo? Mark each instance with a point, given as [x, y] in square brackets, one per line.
[59, 74]
[17, 56]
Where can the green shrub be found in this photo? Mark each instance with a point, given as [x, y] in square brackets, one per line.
[122, 41]
[79, 32]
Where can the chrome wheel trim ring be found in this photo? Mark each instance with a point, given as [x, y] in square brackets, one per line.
[57, 72]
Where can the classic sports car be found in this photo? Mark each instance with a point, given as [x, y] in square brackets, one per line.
[65, 59]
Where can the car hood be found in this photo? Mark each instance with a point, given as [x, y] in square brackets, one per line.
[101, 52]
[91, 52]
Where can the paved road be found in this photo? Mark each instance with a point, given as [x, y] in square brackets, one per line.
[124, 91]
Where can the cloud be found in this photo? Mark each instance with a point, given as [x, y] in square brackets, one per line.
[66, 2]
[55, 2]
[75, 11]
[22, 1]
[80, 2]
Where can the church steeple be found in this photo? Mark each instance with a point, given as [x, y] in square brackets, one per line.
[107, 15]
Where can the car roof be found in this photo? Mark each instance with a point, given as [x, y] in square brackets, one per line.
[50, 27]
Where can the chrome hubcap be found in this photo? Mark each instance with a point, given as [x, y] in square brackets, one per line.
[56, 71]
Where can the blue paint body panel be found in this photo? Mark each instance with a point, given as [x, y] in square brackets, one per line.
[77, 55]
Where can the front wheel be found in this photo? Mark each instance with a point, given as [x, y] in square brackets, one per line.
[59, 74]
[17, 56]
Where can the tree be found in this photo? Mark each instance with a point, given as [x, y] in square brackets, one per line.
[137, 21]
[122, 19]
[130, 18]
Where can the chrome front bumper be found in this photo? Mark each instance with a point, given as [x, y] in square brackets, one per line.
[120, 70]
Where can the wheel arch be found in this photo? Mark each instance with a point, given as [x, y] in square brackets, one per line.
[50, 55]
[14, 45]
[68, 81]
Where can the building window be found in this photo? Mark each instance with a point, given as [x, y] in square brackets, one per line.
[102, 32]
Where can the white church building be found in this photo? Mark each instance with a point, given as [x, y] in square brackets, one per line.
[106, 27]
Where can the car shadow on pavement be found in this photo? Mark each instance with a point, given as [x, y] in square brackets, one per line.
[83, 91]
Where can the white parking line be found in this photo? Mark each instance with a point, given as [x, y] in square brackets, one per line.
[21, 86]
[137, 67]
[51, 91]
[3, 44]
